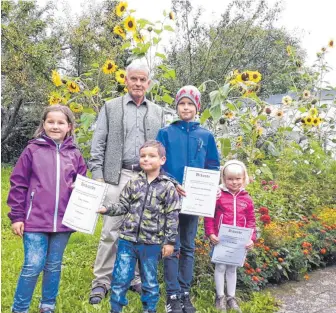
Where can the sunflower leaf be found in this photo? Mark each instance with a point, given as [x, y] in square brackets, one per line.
[158, 31]
[169, 28]
[143, 22]
[205, 116]
[225, 146]
[126, 45]
[156, 40]
[167, 98]
[161, 55]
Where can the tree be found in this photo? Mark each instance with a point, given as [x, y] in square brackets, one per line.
[244, 38]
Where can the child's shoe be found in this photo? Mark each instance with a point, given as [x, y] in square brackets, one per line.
[46, 310]
[220, 303]
[187, 306]
[173, 304]
[233, 304]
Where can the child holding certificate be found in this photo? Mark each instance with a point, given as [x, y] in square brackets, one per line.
[150, 204]
[234, 207]
[41, 184]
[187, 144]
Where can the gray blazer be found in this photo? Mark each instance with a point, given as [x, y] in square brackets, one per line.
[108, 138]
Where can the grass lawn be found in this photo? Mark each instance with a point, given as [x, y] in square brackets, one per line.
[77, 273]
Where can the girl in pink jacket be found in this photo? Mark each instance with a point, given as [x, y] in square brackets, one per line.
[234, 207]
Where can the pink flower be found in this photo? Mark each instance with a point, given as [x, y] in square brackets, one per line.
[265, 188]
[274, 187]
[271, 182]
[264, 182]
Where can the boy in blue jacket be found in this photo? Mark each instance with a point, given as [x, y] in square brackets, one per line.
[187, 144]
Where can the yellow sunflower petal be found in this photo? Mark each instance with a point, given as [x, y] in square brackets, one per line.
[121, 8]
[109, 67]
[130, 24]
[120, 76]
[56, 79]
[73, 87]
[118, 30]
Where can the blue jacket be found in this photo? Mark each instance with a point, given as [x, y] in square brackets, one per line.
[188, 144]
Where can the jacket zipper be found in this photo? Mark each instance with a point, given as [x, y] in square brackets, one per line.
[143, 208]
[57, 185]
[188, 152]
[30, 204]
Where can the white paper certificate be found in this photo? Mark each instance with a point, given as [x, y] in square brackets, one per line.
[201, 188]
[231, 247]
[85, 200]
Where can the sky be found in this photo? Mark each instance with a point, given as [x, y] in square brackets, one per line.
[313, 20]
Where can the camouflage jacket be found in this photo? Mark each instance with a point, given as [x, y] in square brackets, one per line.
[151, 210]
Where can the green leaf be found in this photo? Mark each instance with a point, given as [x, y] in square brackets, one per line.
[167, 98]
[126, 45]
[157, 31]
[156, 40]
[202, 88]
[169, 28]
[205, 116]
[266, 171]
[230, 106]
[86, 120]
[216, 112]
[225, 146]
[143, 22]
[225, 89]
[157, 98]
[161, 55]
[302, 109]
[95, 65]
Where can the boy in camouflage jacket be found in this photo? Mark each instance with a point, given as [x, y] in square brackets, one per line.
[150, 204]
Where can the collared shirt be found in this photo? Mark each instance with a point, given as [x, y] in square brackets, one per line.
[134, 129]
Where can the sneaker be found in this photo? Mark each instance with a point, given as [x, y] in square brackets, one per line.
[173, 304]
[220, 303]
[187, 306]
[233, 304]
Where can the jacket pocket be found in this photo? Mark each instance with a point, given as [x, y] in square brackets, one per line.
[30, 204]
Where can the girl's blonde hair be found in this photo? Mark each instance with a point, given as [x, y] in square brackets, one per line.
[57, 108]
[235, 166]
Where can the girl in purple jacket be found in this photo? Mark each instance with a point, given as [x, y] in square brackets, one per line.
[41, 184]
[234, 207]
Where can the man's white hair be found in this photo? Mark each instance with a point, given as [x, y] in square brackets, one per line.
[138, 65]
[237, 167]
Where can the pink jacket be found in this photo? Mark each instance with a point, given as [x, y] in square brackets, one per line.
[232, 209]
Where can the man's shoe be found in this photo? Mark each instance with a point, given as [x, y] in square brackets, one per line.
[136, 288]
[233, 304]
[220, 303]
[187, 306]
[97, 294]
[173, 304]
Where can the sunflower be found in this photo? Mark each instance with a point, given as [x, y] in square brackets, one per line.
[121, 8]
[255, 77]
[313, 112]
[316, 121]
[76, 107]
[55, 98]
[171, 16]
[245, 76]
[118, 30]
[56, 79]
[260, 131]
[125, 90]
[229, 114]
[306, 94]
[279, 114]
[331, 43]
[308, 120]
[109, 67]
[73, 87]
[130, 24]
[120, 76]
[138, 37]
[287, 100]
[239, 138]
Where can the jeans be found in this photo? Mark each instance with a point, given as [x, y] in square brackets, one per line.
[127, 256]
[42, 251]
[179, 267]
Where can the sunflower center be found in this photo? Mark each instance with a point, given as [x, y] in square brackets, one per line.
[130, 24]
[73, 85]
[255, 76]
[122, 76]
[122, 8]
[109, 66]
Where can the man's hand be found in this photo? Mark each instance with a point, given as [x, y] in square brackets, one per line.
[18, 228]
[102, 210]
[250, 245]
[214, 239]
[180, 190]
[167, 250]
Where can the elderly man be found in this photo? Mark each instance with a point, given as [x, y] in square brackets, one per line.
[123, 125]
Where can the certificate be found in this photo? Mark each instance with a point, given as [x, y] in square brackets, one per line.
[231, 247]
[201, 189]
[85, 200]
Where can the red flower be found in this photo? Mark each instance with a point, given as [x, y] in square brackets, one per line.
[263, 210]
[266, 188]
[264, 182]
[266, 219]
[274, 187]
[255, 278]
[323, 251]
[271, 182]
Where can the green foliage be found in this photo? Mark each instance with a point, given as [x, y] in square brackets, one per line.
[260, 303]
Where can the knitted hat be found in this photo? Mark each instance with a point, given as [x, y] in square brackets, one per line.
[190, 92]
